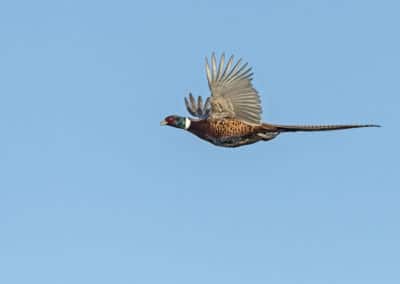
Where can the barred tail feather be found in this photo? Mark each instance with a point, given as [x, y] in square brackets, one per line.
[293, 128]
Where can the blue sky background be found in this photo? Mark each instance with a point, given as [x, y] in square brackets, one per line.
[93, 190]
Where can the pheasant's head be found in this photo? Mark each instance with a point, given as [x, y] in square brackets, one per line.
[176, 121]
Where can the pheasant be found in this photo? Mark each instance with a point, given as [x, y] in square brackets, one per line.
[231, 116]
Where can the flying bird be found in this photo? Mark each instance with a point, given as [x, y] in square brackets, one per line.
[231, 116]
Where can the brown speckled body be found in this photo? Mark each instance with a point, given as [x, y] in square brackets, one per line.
[229, 132]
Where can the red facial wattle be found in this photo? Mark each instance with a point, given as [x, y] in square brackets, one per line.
[170, 120]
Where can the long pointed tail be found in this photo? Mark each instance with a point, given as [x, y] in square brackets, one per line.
[293, 128]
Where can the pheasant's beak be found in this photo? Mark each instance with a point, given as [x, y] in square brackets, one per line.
[163, 122]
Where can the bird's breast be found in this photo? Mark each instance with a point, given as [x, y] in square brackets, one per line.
[221, 129]
[230, 128]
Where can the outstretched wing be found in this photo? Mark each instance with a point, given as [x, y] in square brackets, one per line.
[232, 94]
[197, 109]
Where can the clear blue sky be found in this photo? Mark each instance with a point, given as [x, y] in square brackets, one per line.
[93, 190]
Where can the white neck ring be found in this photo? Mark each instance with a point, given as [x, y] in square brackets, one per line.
[187, 123]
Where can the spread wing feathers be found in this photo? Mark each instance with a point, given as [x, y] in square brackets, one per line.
[232, 94]
[198, 109]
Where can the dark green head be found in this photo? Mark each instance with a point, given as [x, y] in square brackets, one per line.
[176, 121]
